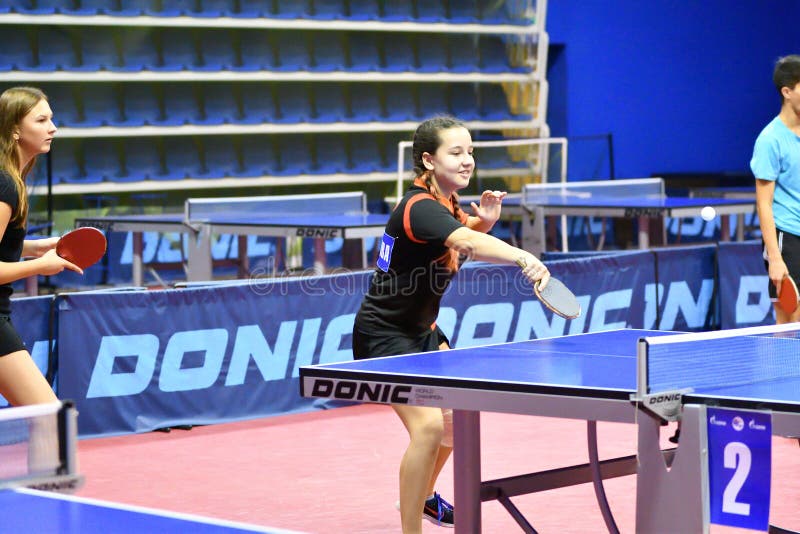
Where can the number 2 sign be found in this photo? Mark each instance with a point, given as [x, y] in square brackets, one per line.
[739, 467]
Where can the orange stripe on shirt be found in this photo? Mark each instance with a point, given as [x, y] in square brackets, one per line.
[407, 215]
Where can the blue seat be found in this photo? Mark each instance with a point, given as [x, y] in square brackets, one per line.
[329, 9]
[462, 53]
[220, 104]
[141, 105]
[182, 159]
[364, 10]
[258, 104]
[217, 52]
[57, 50]
[101, 106]
[398, 11]
[295, 155]
[329, 103]
[367, 154]
[101, 161]
[66, 112]
[176, 8]
[292, 52]
[400, 103]
[434, 99]
[365, 103]
[221, 158]
[216, 8]
[432, 54]
[327, 52]
[181, 105]
[253, 9]
[142, 160]
[398, 54]
[463, 11]
[431, 11]
[256, 51]
[464, 102]
[364, 52]
[330, 154]
[30, 7]
[494, 103]
[292, 9]
[17, 52]
[292, 103]
[66, 165]
[493, 56]
[95, 7]
[99, 50]
[134, 8]
[178, 51]
[139, 50]
[258, 156]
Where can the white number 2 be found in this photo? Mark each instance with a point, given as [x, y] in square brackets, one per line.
[736, 456]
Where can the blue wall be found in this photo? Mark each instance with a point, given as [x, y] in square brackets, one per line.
[682, 86]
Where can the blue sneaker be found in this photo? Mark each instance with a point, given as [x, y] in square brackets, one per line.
[438, 511]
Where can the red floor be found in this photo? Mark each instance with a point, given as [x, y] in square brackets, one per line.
[336, 471]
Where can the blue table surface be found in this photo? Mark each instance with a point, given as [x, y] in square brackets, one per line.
[598, 364]
[600, 360]
[634, 202]
[33, 512]
[284, 219]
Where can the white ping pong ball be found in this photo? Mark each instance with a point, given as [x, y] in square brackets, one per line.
[708, 213]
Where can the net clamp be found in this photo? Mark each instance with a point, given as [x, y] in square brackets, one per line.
[664, 404]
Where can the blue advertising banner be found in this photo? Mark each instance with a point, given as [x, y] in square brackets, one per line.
[685, 290]
[743, 286]
[144, 360]
[739, 467]
[31, 318]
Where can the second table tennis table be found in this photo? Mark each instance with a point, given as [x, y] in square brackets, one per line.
[314, 216]
[601, 376]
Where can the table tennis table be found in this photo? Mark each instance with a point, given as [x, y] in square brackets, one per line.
[29, 511]
[315, 216]
[602, 376]
[642, 199]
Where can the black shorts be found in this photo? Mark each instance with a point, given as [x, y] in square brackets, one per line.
[372, 346]
[789, 245]
[9, 338]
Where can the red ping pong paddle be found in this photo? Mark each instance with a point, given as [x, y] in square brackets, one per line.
[787, 298]
[83, 246]
[556, 297]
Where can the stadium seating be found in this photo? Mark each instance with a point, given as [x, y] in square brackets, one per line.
[293, 103]
[220, 105]
[258, 104]
[101, 161]
[364, 52]
[327, 52]
[56, 50]
[221, 157]
[431, 53]
[217, 52]
[295, 155]
[17, 52]
[141, 105]
[364, 10]
[292, 9]
[329, 9]
[329, 103]
[258, 156]
[365, 103]
[331, 155]
[256, 52]
[178, 50]
[66, 168]
[293, 53]
[182, 159]
[99, 50]
[401, 104]
[181, 105]
[138, 50]
[102, 105]
[142, 161]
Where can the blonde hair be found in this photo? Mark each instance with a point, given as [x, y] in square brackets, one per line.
[15, 104]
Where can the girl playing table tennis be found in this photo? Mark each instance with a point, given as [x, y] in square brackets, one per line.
[26, 130]
[425, 240]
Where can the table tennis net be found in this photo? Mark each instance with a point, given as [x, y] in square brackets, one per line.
[643, 187]
[295, 205]
[37, 446]
[723, 359]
